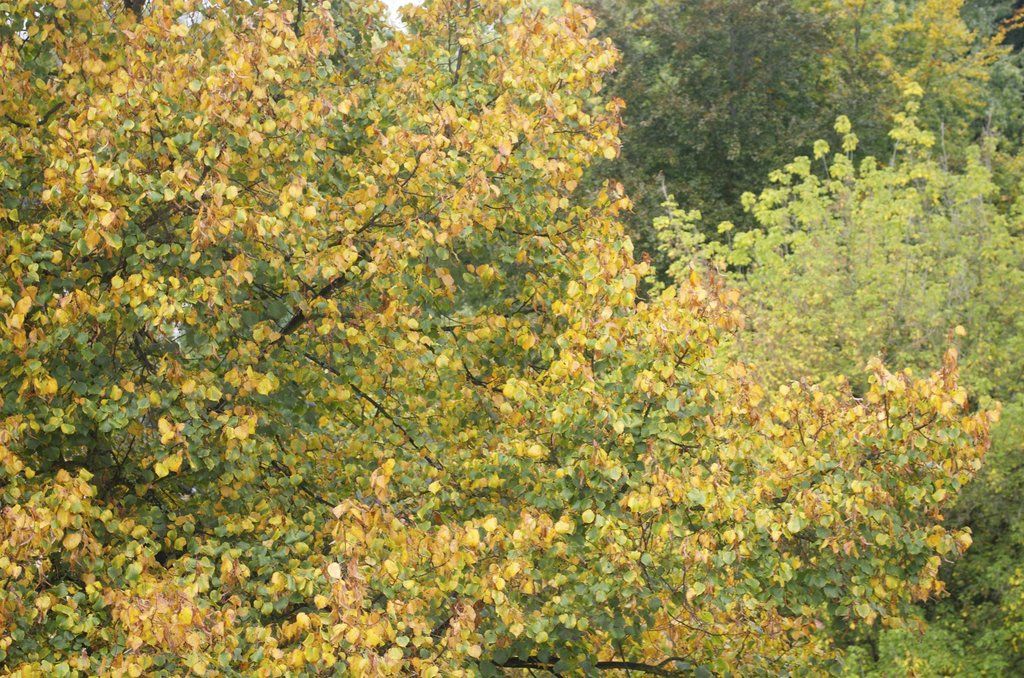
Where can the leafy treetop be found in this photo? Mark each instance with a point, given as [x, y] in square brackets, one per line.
[857, 258]
[313, 362]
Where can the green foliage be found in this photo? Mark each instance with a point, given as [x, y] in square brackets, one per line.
[862, 258]
[719, 92]
[934, 649]
[716, 92]
[878, 49]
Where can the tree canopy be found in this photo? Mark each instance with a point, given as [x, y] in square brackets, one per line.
[722, 92]
[857, 257]
[315, 360]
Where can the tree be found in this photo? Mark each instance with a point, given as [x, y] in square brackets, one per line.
[996, 15]
[856, 259]
[313, 361]
[878, 49]
[716, 92]
[719, 92]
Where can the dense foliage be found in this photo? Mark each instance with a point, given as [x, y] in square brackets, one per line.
[721, 92]
[860, 258]
[717, 92]
[853, 257]
[315, 361]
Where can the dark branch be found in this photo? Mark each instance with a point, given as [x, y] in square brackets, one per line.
[136, 7]
[298, 18]
[300, 316]
[660, 669]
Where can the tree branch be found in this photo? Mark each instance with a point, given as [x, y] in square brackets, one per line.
[660, 669]
[136, 7]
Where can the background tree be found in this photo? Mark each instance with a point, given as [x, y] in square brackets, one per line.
[314, 361]
[877, 49]
[716, 92]
[856, 259]
[719, 92]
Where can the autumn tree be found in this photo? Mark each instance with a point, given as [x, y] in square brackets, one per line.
[879, 48]
[858, 257]
[314, 361]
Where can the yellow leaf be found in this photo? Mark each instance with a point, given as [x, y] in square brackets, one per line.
[173, 463]
[264, 386]
[564, 525]
[372, 636]
[167, 431]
